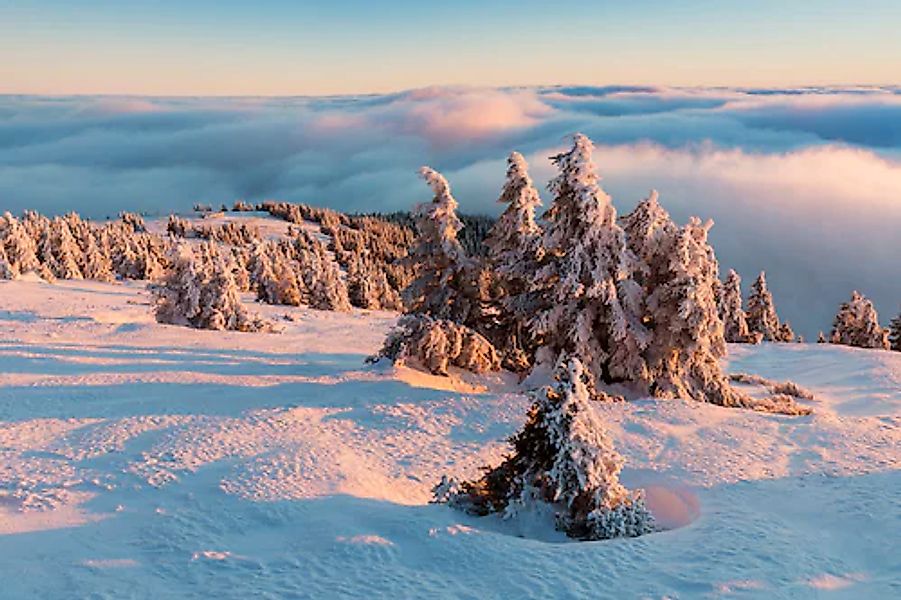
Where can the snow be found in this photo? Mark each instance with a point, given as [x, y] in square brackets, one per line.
[147, 460]
[271, 228]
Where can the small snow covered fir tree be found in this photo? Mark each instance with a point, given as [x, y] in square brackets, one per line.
[96, 263]
[761, 315]
[563, 457]
[178, 296]
[513, 245]
[6, 268]
[857, 324]
[587, 304]
[894, 335]
[735, 324]
[786, 333]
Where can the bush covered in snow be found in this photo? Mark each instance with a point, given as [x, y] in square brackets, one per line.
[563, 457]
[200, 291]
[436, 344]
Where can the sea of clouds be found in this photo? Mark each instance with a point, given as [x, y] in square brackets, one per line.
[804, 183]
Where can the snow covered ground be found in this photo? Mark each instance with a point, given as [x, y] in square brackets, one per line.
[151, 461]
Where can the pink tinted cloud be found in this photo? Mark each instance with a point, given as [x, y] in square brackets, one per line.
[450, 115]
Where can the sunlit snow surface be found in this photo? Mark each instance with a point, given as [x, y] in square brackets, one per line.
[149, 461]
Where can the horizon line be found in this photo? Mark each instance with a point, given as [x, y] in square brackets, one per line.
[453, 86]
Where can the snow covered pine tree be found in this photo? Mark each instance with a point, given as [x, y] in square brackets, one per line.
[735, 324]
[894, 335]
[563, 457]
[857, 324]
[587, 305]
[513, 245]
[761, 315]
[446, 296]
[444, 288]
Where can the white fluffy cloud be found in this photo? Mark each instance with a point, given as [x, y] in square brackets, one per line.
[804, 183]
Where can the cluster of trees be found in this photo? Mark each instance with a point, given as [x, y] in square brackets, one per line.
[68, 247]
[760, 322]
[855, 324]
[373, 251]
[298, 271]
[299, 213]
[471, 236]
[633, 298]
[617, 305]
[200, 290]
[235, 234]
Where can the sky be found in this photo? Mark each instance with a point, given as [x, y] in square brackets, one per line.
[290, 47]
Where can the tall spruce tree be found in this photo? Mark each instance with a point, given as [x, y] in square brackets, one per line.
[587, 305]
[513, 245]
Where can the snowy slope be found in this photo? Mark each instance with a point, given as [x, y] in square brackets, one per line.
[150, 461]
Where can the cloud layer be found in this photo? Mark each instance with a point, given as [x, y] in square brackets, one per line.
[805, 183]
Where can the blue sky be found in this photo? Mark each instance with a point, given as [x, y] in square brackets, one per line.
[278, 47]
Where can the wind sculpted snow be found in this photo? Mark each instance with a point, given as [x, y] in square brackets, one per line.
[147, 460]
